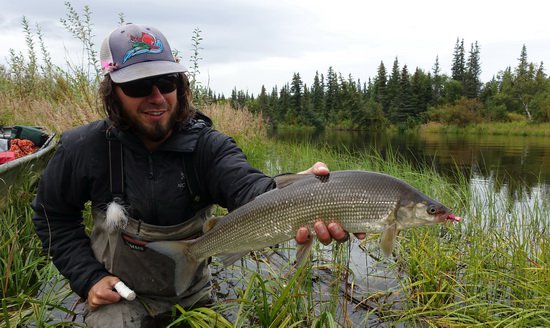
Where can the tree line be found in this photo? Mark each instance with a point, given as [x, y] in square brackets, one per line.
[394, 97]
[403, 98]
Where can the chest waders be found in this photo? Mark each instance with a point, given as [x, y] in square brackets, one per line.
[123, 250]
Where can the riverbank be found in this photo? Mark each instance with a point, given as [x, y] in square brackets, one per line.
[490, 269]
[507, 129]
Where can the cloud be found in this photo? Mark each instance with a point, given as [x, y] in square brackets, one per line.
[247, 43]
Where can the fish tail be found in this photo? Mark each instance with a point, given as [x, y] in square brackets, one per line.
[186, 264]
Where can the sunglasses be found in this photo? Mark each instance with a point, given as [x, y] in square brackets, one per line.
[144, 87]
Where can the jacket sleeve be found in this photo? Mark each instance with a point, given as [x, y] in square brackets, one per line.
[60, 199]
[230, 179]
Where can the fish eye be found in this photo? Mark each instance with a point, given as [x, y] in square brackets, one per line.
[431, 210]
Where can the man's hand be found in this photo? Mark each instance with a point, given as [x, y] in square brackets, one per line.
[325, 232]
[102, 292]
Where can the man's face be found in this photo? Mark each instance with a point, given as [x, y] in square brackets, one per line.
[149, 106]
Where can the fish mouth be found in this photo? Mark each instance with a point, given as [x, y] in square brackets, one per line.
[452, 217]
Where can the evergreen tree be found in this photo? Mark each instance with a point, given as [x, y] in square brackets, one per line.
[318, 96]
[263, 103]
[421, 90]
[234, 102]
[379, 87]
[392, 88]
[274, 107]
[472, 83]
[459, 65]
[437, 84]
[296, 94]
[241, 99]
[524, 82]
[351, 103]
[284, 103]
[331, 95]
[310, 117]
[374, 118]
[540, 76]
[506, 90]
[405, 99]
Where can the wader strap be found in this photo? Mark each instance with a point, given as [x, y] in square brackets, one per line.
[116, 172]
[116, 168]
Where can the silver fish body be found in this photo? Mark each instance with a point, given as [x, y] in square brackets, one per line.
[359, 201]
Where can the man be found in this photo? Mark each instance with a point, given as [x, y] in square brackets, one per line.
[151, 171]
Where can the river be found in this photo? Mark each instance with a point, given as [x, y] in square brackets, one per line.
[511, 173]
[518, 163]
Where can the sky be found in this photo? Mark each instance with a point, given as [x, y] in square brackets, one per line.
[250, 43]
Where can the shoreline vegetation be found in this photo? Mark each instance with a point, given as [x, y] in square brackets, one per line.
[491, 269]
[495, 128]
[482, 271]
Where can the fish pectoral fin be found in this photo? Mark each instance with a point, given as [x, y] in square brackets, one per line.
[387, 240]
[185, 265]
[302, 251]
[288, 179]
[210, 223]
[231, 258]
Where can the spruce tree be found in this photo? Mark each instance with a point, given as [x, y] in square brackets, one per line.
[459, 65]
[234, 103]
[392, 88]
[472, 83]
[317, 96]
[437, 84]
[274, 107]
[524, 82]
[296, 94]
[331, 95]
[263, 103]
[405, 100]
[421, 90]
[284, 103]
[379, 87]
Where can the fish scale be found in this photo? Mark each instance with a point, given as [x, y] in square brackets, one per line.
[359, 201]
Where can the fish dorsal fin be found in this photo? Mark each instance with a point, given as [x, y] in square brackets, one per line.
[210, 223]
[288, 179]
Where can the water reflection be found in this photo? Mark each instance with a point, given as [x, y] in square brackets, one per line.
[519, 162]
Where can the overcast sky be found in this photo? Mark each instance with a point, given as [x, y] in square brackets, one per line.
[250, 43]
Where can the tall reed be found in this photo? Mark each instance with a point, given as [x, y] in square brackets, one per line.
[490, 270]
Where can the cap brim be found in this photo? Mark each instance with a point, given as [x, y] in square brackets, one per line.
[146, 69]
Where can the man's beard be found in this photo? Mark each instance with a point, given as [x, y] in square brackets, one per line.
[154, 132]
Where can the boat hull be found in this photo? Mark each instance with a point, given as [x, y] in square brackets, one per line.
[25, 170]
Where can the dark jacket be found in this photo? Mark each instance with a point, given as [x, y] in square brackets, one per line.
[155, 187]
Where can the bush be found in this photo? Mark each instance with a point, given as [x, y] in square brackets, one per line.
[465, 111]
[515, 117]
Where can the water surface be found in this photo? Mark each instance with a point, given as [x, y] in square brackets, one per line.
[518, 162]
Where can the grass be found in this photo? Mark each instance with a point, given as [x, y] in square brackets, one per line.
[493, 268]
[490, 270]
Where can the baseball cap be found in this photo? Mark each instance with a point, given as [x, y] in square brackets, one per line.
[134, 51]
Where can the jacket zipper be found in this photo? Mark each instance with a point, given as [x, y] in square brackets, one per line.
[151, 177]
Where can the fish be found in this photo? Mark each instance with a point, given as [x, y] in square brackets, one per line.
[360, 201]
